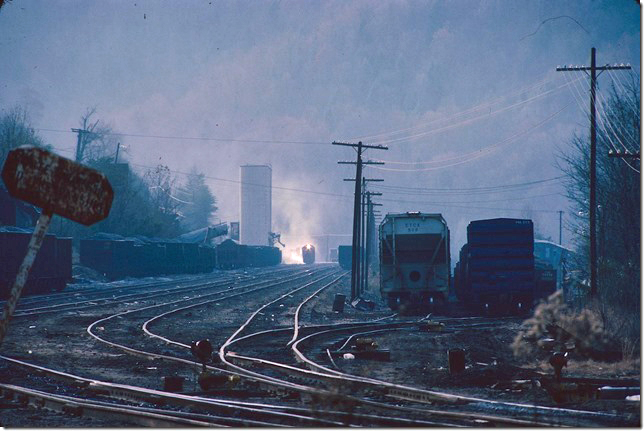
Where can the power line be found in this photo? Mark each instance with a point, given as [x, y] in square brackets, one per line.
[475, 202]
[481, 152]
[472, 189]
[189, 138]
[455, 115]
[470, 120]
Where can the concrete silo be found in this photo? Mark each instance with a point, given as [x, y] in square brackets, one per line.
[255, 204]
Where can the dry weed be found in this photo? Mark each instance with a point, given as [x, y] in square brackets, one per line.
[582, 332]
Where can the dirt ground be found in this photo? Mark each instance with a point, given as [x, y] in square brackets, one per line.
[418, 358]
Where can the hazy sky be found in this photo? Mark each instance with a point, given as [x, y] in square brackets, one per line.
[464, 93]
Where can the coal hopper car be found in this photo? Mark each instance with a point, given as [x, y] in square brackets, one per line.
[230, 255]
[308, 254]
[51, 270]
[414, 260]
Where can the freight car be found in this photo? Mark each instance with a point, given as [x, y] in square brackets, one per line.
[117, 257]
[51, 270]
[414, 260]
[495, 273]
[230, 255]
[545, 279]
[344, 256]
[308, 254]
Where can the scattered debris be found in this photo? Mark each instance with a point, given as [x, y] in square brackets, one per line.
[363, 304]
[456, 360]
[338, 302]
[558, 360]
[173, 383]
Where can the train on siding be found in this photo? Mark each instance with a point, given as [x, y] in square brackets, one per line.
[116, 257]
[51, 270]
[496, 268]
[414, 261]
[308, 254]
[231, 255]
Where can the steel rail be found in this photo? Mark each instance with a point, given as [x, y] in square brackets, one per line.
[296, 317]
[245, 290]
[80, 407]
[169, 341]
[101, 288]
[244, 325]
[206, 282]
[116, 299]
[422, 395]
[147, 395]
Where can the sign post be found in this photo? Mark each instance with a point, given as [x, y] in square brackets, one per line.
[59, 186]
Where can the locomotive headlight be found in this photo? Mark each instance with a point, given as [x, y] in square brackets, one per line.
[308, 246]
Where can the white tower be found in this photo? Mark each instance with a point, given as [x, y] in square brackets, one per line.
[255, 204]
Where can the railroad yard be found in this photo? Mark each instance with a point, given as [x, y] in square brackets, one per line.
[119, 354]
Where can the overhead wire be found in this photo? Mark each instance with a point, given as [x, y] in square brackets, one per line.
[615, 78]
[189, 138]
[602, 109]
[475, 108]
[478, 153]
[466, 192]
[469, 120]
[578, 94]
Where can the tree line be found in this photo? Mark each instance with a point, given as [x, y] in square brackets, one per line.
[155, 203]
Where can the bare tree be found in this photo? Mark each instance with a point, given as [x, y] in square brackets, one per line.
[96, 138]
[166, 216]
[16, 130]
[618, 205]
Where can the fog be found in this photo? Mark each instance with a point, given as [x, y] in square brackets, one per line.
[464, 94]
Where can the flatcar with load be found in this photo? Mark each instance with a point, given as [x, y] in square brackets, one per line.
[414, 260]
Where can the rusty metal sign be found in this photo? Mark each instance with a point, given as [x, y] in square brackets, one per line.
[57, 185]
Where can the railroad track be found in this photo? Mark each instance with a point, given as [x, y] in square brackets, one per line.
[303, 274]
[279, 357]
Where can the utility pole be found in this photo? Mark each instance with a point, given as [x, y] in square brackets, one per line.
[116, 158]
[79, 139]
[363, 223]
[368, 235]
[361, 230]
[593, 160]
[360, 147]
[80, 145]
